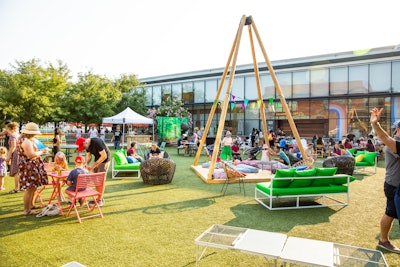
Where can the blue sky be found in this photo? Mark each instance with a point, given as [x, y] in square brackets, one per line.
[151, 38]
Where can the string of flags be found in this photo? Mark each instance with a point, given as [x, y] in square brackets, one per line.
[271, 107]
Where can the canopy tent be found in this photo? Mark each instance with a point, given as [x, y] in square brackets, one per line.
[128, 116]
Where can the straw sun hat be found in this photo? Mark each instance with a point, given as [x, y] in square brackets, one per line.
[31, 128]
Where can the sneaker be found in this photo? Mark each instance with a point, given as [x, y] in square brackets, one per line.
[100, 202]
[388, 246]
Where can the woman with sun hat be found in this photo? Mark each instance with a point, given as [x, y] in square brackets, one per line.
[32, 173]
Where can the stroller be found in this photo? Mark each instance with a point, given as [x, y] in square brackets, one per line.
[252, 152]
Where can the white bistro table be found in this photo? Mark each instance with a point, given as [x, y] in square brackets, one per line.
[261, 243]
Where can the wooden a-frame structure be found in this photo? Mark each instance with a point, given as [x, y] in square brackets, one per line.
[249, 22]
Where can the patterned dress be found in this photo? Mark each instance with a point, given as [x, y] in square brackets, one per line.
[31, 171]
[14, 155]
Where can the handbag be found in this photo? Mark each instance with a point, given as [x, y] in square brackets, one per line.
[49, 210]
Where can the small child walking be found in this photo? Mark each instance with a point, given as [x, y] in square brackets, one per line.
[3, 166]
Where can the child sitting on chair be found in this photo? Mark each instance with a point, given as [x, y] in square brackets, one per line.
[60, 162]
[73, 175]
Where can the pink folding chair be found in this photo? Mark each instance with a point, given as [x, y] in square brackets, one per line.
[87, 186]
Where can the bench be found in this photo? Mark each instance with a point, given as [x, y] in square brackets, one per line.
[290, 184]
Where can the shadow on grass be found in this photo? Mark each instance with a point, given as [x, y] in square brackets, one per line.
[277, 220]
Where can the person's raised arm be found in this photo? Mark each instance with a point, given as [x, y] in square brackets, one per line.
[382, 134]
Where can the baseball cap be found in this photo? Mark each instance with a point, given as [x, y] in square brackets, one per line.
[396, 124]
[79, 159]
[79, 142]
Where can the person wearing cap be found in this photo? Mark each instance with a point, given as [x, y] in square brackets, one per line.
[97, 149]
[32, 173]
[226, 153]
[392, 179]
[73, 175]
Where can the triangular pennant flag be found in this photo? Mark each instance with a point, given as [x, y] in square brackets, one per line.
[233, 97]
[215, 101]
[245, 102]
[232, 105]
[242, 105]
[271, 101]
[258, 103]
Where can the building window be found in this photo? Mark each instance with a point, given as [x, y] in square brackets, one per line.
[238, 89]
[211, 90]
[379, 77]
[157, 95]
[199, 92]
[268, 87]
[319, 82]
[285, 82]
[358, 79]
[187, 93]
[396, 76]
[339, 80]
[166, 92]
[250, 91]
[149, 95]
[177, 91]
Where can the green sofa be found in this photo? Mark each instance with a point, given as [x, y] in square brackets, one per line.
[120, 165]
[289, 184]
[365, 161]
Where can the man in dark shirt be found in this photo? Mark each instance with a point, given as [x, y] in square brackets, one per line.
[117, 135]
[96, 147]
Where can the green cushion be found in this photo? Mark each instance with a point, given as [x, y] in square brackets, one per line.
[264, 187]
[339, 181]
[370, 157]
[283, 173]
[351, 150]
[302, 182]
[128, 167]
[360, 152]
[120, 158]
[325, 171]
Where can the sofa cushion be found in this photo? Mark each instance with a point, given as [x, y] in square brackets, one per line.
[293, 191]
[324, 172]
[128, 167]
[120, 158]
[282, 173]
[370, 157]
[359, 158]
[302, 182]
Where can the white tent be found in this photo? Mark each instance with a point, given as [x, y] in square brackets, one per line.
[128, 116]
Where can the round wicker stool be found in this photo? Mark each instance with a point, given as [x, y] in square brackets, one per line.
[157, 171]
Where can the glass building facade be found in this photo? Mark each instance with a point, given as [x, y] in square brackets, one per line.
[328, 95]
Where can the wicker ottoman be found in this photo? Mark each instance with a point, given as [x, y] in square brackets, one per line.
[345, 164]
[157, 171]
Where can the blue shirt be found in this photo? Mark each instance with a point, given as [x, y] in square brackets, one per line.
[73, 177]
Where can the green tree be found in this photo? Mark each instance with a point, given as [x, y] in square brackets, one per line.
[31, 92]
[133, 95]
[90, 99]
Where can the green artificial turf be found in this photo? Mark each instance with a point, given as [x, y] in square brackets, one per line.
[147, 225]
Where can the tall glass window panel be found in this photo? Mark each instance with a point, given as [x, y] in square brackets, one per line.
[268, 87]
[223, 90]
[358, 116]
[149, 95]
[211, 90]
[285, 82]
[252, 110]
[339, 80]
[157, 95]
[379, 77]
[396, 76]
[237, 89]
[358, 79]
[199, 92]
[319, 109]
[166, 92]
[250, 92]
[249, 125]
[280, 111]
[319, 82]
[301, 84]
[338, 118]
[177, 91]
[187, 93]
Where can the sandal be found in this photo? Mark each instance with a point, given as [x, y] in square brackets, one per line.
[31, 212]
[13, 191]
[34, 207]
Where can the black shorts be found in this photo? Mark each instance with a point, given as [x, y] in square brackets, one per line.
[390, 192]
